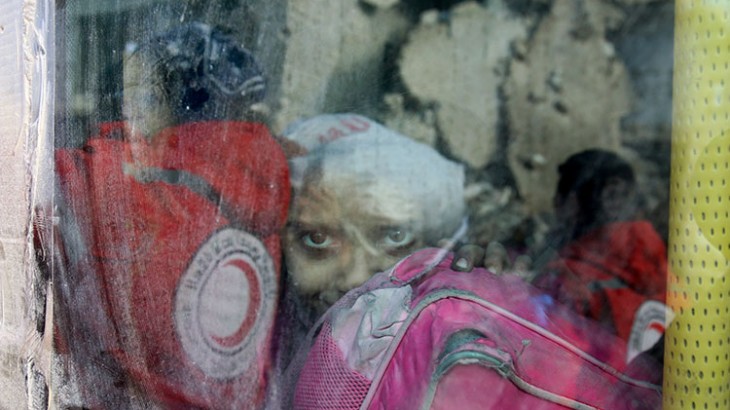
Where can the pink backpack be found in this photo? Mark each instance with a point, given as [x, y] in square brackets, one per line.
[422, 336]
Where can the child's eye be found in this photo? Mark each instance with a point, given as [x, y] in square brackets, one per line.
[317, 240]
[395, 239]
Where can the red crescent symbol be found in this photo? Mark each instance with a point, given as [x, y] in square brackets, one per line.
[253, 306]
[656, 326]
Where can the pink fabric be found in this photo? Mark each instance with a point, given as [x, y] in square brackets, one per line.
[550, 347]
[330, 384]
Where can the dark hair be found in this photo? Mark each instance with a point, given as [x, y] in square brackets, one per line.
[587, 173]
[202, 72]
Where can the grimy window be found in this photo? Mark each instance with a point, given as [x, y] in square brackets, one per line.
[249, 204]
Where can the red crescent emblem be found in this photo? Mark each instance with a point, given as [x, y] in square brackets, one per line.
[656, 326]
[253, 306]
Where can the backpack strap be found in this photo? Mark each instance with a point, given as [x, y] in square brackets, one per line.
[469, 347]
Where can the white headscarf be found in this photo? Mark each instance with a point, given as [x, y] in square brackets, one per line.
[348, 150]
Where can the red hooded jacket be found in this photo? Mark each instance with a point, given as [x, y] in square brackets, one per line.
[609, 273]
[172, 263]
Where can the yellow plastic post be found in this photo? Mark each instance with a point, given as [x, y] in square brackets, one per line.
[697, 350]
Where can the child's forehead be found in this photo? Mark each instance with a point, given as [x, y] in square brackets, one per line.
[361, 163]
[327, 206]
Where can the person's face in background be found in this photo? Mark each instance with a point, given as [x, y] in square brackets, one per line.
[145, 106]
[339, 236]
[595, 188]
[619, 200]
[566, 209]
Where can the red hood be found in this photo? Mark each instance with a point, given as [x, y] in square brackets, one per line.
[231, 155]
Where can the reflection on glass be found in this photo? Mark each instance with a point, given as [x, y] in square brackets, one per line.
[199, 250]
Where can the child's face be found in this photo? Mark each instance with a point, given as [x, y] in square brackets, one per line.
[336, 240]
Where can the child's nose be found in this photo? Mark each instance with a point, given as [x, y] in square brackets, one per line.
[358, 268]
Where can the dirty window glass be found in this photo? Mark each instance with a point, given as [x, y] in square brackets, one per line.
[336, 204]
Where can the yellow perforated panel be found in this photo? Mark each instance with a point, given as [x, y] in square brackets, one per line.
[697, 356]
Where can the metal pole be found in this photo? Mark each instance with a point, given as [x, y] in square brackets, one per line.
[697, 350]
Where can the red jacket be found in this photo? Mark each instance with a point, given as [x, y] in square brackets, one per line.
[609, 273]
[173, 261]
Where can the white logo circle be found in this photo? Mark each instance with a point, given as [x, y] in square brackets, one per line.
[224, 303]
[650, 323]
